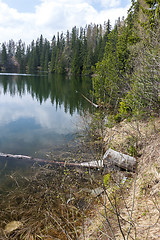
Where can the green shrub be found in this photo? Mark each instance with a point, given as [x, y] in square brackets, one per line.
[106, 179]
[132, 146]
[124, 109]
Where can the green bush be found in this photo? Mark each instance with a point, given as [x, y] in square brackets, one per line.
[125, 109]
[106, 179]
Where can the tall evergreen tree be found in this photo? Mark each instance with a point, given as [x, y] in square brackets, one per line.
[110, 81]
[53, 55]
[11, 48]
[4, 56]
[20, 55]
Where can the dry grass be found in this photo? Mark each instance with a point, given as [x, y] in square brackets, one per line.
[135, 132]
[140, 202]
[49, 203]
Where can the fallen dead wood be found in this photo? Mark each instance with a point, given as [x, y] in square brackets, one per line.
[94, 164]
[120, 160]
[111, 157]
[95, 105]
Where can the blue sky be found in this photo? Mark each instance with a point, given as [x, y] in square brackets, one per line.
[23, 5]
[27, 20]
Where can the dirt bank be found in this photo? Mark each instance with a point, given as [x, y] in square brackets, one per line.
[136, 212]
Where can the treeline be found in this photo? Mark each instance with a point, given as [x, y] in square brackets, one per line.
[127, 79]
[124, 61]
[74, 52]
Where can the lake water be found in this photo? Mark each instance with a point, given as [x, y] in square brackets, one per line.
[39, 112]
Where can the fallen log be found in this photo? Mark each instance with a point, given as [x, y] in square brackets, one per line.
[92, 164]
[95, 105]
[110, 158]
[120, 160]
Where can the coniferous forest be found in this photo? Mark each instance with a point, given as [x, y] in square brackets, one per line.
[124, 60]
[73, 52]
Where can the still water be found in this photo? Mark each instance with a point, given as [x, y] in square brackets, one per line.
[38, 115]
[38, 112]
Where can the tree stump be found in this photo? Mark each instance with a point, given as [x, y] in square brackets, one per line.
[120, 160]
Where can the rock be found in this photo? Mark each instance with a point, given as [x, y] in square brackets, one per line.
[11, 226]
[97, 191]
[123, 161]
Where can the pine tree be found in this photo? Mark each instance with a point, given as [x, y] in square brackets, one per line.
[4, 56]
[103, 40]
[152, 12]
[20, 55]
[53, 56]
[11, 48]
[110, 75]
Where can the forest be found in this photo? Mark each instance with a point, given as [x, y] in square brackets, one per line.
[73, 52]
[124, 60]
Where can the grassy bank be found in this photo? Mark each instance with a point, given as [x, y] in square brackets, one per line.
[132, 210]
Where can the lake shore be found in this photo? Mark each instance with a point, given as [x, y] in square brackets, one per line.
[142, 200]
[54, 199]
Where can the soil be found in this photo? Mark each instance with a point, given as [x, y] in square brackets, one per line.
[139, 200]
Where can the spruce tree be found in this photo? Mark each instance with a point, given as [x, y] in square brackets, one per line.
[4, 56]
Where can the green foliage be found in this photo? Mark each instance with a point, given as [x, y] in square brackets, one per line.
[106, 179]
[132, 146]
[124, 110]
[110, 77]
[143, 98]
[152, 13]
[127, 78]
[117, 118]
[74, 53]
[4, 55]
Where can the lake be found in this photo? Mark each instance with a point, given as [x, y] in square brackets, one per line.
[39, 112]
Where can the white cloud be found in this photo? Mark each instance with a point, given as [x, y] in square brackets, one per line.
[64, 14]
[14, 25]
[46, 116]
[112, 14]
[51, 16]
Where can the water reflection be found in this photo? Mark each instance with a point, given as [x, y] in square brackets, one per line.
[59, 89]
[38, 112]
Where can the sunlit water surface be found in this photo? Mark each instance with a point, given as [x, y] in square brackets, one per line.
[39, 112]
[39, 117]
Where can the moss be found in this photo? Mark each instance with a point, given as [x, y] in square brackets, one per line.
[106, 179]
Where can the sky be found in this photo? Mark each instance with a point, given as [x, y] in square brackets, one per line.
[28, 19]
